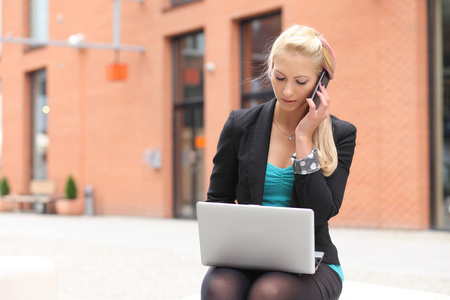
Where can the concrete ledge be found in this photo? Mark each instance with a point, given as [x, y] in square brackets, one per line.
[28, 278]
[357, 290]
[192, 297]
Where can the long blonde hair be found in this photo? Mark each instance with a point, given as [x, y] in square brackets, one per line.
[308, 41]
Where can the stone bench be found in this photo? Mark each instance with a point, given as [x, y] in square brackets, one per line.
[28, 278]
[357, 290]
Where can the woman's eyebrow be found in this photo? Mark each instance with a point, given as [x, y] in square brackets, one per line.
[294, 77]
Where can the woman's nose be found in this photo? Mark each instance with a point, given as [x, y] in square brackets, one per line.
[288, 90]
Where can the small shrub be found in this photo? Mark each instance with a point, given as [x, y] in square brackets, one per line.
[71, 189]
[4, 187]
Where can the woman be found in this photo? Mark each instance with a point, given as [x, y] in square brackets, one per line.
[255, 164]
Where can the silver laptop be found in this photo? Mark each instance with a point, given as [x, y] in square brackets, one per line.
[257, 237]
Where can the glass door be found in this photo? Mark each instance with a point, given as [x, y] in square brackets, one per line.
[39, 138]
[443, 208]
[439, 53]
[188, 124]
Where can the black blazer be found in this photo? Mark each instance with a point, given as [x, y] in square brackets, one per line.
[240, 167]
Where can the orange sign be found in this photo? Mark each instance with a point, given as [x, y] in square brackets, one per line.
[200, 142]
[117, 71]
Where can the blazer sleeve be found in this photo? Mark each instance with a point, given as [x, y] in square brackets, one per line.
[322, 194]
[222, 185]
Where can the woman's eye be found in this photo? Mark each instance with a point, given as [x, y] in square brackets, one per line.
[301, 83]
[279, 78]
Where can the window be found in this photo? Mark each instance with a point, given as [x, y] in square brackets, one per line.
[39, 135]
[257, 35]
[38, 22]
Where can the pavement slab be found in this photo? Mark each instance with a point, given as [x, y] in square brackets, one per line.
[114, 257]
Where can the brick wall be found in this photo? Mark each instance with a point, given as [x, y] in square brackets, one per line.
[99, 129]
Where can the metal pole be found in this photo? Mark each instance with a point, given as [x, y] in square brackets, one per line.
[116, 26]
[81, 45]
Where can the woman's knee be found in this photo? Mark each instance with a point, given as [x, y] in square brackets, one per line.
[273, 285]
[282, 286]
[265, 291]
[224, 284]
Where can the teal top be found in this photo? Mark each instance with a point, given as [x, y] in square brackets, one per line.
[277, 192]
[278, 186]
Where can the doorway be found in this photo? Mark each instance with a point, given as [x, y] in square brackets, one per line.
[188, 53]
[439, 49]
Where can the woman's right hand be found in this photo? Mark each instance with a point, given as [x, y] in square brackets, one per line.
[314, 117]
[312, 120]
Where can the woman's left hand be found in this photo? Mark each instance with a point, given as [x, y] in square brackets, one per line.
[314, 117]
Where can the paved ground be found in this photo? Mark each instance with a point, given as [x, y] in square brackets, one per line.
[143, 258]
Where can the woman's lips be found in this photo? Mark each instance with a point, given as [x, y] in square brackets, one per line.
[288, 101]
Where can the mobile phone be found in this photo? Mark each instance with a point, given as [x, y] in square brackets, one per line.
[323, 78]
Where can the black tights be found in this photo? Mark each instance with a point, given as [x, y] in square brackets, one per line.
[237, 284]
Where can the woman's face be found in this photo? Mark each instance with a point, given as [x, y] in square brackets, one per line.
[293, 80]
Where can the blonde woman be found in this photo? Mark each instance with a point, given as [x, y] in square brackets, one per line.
[286, 152]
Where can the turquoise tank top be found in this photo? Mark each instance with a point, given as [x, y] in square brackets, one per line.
[277, 192]
[278, 186]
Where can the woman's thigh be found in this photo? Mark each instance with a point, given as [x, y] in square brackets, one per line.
[325, 284]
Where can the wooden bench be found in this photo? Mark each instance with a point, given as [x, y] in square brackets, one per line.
[41, 197]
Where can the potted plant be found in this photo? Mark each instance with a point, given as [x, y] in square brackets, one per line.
[70, 205]
[4, 190]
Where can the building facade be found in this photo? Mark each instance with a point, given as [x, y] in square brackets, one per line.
[145, 143]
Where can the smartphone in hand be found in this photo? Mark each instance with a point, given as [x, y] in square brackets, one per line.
[324, 78]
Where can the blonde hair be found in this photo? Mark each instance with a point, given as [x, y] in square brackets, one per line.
[308, 41]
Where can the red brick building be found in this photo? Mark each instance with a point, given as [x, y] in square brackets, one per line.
[145, 144]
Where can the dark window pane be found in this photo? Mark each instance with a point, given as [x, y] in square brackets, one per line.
[446, 34]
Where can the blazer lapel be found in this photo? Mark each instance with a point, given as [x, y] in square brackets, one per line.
[259, 152]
